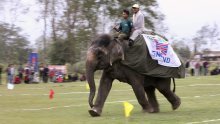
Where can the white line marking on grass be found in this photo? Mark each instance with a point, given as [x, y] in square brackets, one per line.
[197, 96]
[65, 93]
[204, 85]
[193, 85]
[38, 109]
[206, 121]
[74, 93]
[215, 95]
[39, 88]
[88, 92]
[31, 94]
[120, 101]
[110, 102]
[46, 94]
[68, 106]
[121, 90]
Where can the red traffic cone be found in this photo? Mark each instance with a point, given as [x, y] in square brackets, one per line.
[51, 94]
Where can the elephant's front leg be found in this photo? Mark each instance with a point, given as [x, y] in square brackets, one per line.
[104, 88]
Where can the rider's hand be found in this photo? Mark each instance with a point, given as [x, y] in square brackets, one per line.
[130, 42]
[152, 33]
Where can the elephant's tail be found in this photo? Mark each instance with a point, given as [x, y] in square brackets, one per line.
[174, 85]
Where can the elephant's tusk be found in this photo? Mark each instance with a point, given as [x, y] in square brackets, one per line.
[110, 62]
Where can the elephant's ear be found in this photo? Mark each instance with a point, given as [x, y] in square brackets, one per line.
[116, 53]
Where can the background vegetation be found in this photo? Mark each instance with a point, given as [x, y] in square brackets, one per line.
[70, 26]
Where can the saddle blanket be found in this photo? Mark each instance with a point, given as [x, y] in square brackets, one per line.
[161, 50]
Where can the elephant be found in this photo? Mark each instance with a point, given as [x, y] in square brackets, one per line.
[106, 53]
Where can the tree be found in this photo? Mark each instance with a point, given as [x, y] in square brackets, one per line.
[75, 23]
[207, 35]
[113, 9]
[182, 49]
[13, 46]
[57, 53]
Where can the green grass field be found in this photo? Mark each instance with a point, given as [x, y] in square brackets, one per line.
[30, 104]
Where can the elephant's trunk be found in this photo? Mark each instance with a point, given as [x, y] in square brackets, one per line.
[90, 71]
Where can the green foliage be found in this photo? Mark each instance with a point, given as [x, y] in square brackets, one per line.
[57, 53]
[78, 67]
[182, 49]
[184, 52]
[114, 9]
[208, 34]
[80, 21]
[13, 46]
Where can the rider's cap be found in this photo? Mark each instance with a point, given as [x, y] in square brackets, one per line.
[135, 6]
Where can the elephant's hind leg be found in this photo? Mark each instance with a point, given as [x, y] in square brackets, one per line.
[150, 91]
[176, 104]
[140, 95]
[163, 85]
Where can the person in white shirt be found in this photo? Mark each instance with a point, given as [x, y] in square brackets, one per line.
[138, 23]
[11, 73]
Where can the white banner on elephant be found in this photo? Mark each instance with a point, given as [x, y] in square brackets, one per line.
[161, 50]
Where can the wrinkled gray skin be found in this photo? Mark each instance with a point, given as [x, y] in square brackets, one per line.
[105, 54]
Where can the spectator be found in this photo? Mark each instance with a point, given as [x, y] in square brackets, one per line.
[205, 66]
[41, 69]
[20, 72]
[75, 77]
[59, 76]
[45, 74]
[187, 64]
[1, 68]
[52, 75]
[215, 71]
[17, 79]
[192, 68]
[187, 68]
[36, 78]
[197, 66]
[201, 69]
[69, 77]
[27, 73]
[10, 72]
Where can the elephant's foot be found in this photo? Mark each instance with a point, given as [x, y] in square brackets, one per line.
[152, 110]
[176, 104]
[149, 110]
[94, 113]
[155, 110]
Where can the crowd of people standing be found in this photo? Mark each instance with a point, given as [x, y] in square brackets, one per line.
[27, 74]
[200, 68]
[20, 74]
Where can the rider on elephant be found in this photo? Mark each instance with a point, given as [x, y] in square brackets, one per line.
[124, 30]
[138, 23]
